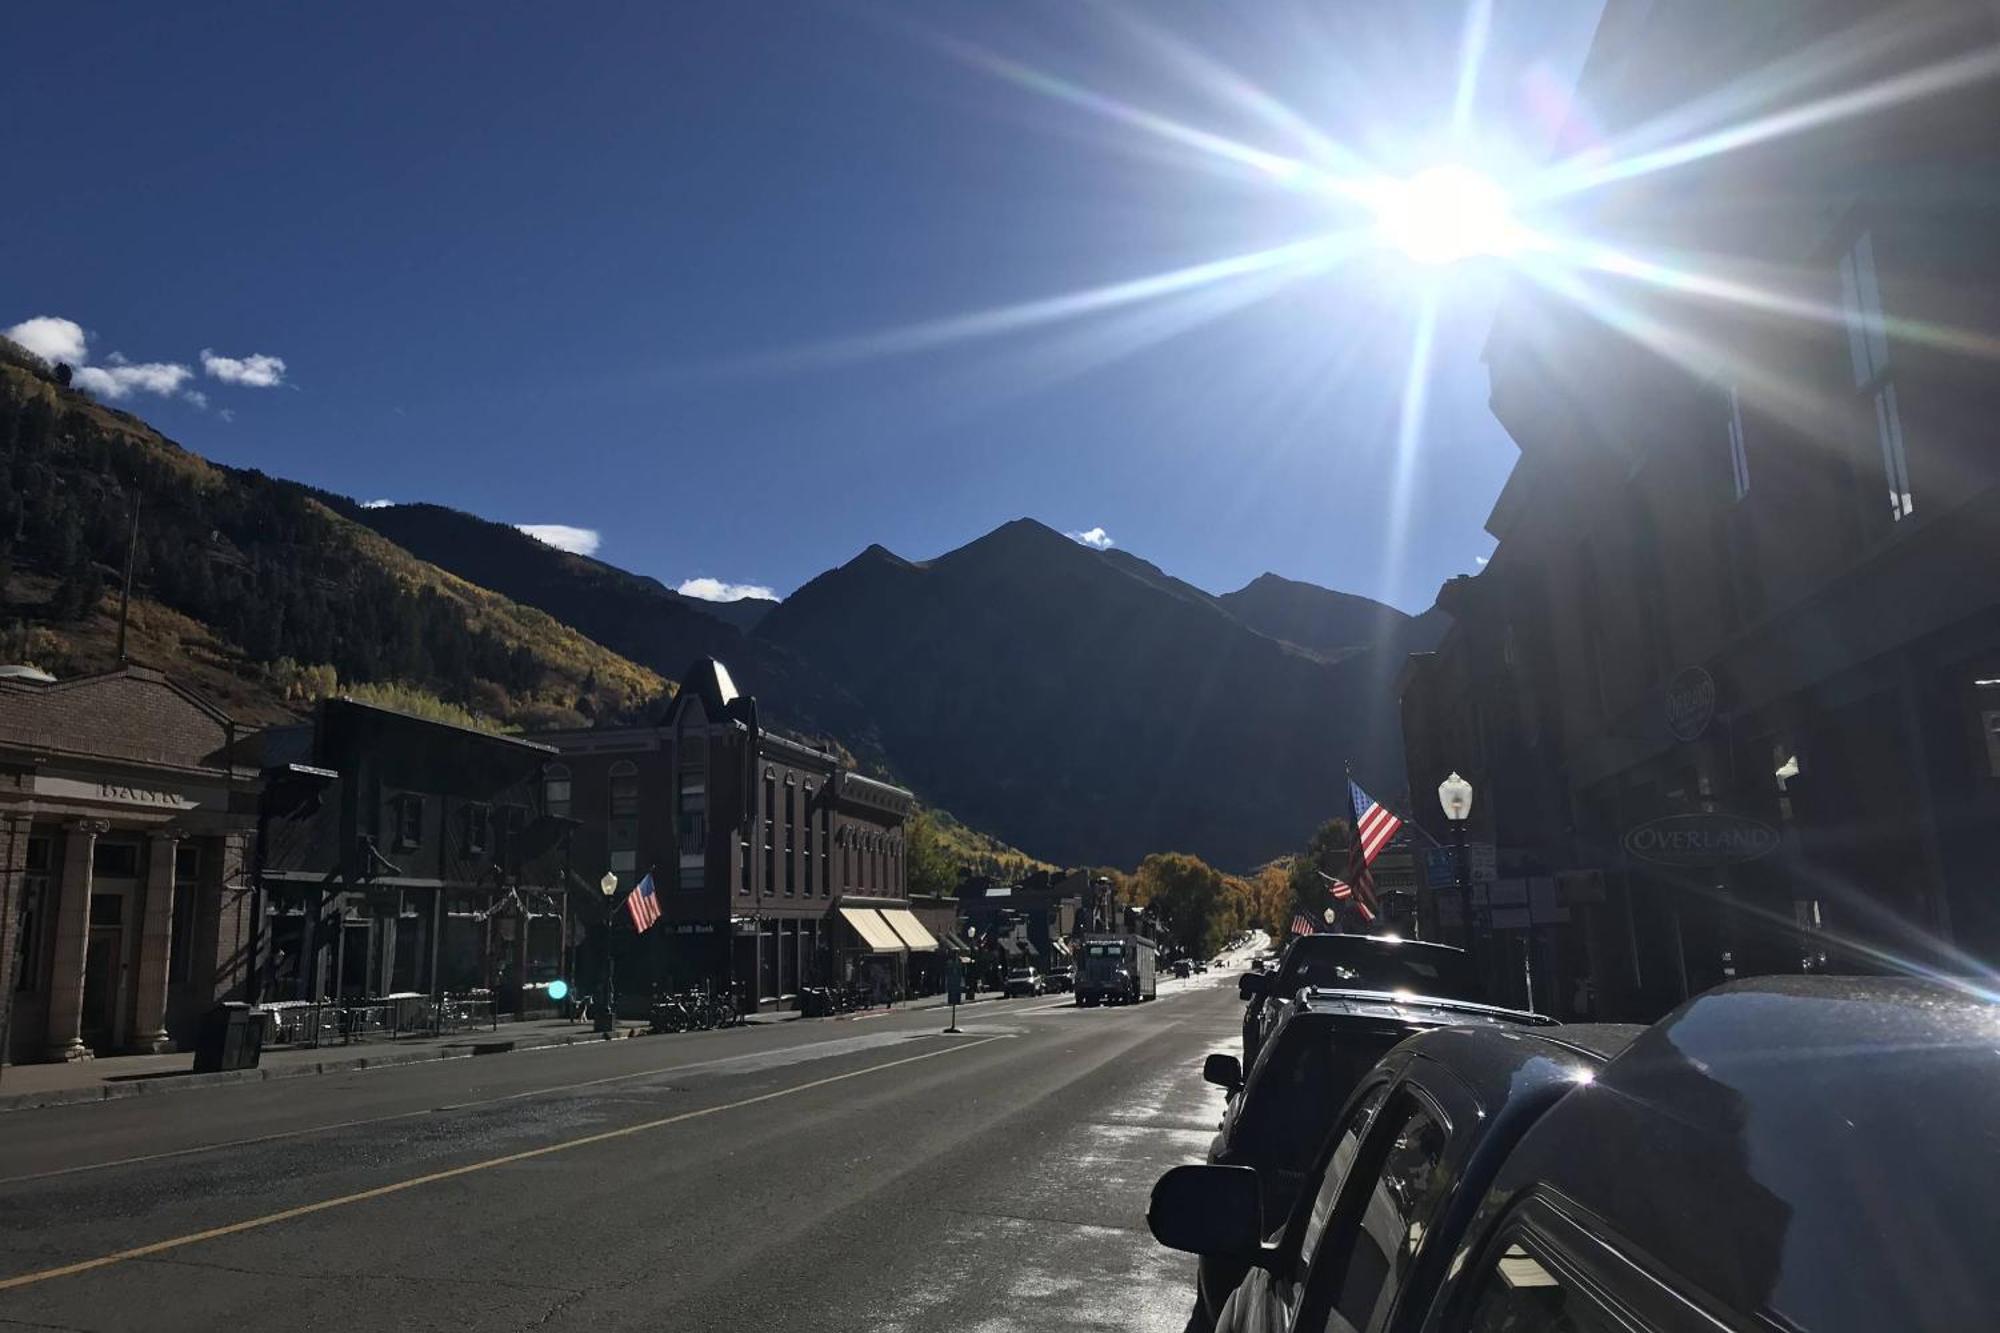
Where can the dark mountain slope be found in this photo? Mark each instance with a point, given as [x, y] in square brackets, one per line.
[1085, 708]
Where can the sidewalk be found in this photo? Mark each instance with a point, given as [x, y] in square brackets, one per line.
[25, 1086]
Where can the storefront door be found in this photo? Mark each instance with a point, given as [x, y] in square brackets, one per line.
[104, 974]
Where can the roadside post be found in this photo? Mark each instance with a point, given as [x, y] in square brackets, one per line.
[954, 982]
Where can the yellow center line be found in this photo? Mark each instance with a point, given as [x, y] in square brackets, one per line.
[397, 1187]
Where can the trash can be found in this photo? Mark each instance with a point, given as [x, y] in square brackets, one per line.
[231, 1036]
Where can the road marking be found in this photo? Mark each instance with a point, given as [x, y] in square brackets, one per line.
[397, 1187]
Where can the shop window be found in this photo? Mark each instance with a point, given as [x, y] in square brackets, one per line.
[556, 791]
[1990, 721]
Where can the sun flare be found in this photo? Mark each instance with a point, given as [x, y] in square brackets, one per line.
[1446, 214]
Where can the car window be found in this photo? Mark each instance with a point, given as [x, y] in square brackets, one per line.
[1523, 1294]
[1341, 1162]
[1284, 1120]
[1401, 1204]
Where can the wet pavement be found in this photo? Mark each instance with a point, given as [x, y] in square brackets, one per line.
[813, 1175]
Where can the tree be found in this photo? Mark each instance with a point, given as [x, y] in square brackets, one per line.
[1187, 898]
[928, 865]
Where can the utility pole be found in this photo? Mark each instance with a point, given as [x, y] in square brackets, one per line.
[125, 597]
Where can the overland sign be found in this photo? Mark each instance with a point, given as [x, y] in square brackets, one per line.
[1713, 839]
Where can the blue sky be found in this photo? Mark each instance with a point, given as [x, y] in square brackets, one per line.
[707, 280]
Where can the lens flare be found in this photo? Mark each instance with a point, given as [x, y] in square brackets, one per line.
[1446, 214]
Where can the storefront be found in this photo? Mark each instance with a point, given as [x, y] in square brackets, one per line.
[124, 832]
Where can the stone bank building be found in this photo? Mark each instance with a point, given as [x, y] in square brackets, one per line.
[125, 833]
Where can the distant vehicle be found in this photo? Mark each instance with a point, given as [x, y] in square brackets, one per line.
[1060, 979]
[1117, 969]
[1183, 968]
[1026, 981]
[1723, 1171]
[1320, 1048]
[1382, 964]
[1200, 966]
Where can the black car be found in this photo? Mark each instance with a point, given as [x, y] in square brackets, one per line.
[1322, 1046]
[1784, 1153]
[1354, 962]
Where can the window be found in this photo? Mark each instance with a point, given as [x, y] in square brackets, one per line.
[770, 840]
[791, 837]
[478, 830]
[1522, 1293]
[409, 814]
[115, 860]
[825, 850]
[806, 818]
[624, 790]
[1404, 1196]
[187, 899]
[555, 791]
[1337, 1167]
[1739, 460]
[1989, 722]
[1868, 352]
[34, 908]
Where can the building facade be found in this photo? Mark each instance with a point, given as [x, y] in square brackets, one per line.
[777, 868]
[403, 856]
[1730, 682]
[125, 824]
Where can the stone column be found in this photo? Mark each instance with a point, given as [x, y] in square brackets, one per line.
[72, 940]
[156, 940]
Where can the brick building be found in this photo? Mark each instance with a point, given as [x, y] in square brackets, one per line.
[777, 867]
[124, 828]
[1746, 582]
[406, 856]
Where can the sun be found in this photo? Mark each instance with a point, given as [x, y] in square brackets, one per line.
[1445, 214]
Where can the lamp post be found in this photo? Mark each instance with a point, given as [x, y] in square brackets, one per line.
[1455, 795]
[607, 988]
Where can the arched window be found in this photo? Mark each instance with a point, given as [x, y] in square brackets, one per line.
[791, 836]
[555, 791]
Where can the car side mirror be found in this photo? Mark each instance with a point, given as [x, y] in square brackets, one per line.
[1209, 1210]
[1251, 985]
[1224, 1071]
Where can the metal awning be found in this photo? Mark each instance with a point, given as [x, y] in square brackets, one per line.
[873, 930]
[954, 943]
[904, 922]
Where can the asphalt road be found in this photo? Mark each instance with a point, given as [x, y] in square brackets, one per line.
[860, 1174]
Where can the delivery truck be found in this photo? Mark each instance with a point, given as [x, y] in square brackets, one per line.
[1116, 969]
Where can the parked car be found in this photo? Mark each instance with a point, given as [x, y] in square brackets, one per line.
[1183, 968]
[1382, 964]
[1322, 1046]
[1787, 1152]
[1060, 979]
[1026, 981]
[1200, 966]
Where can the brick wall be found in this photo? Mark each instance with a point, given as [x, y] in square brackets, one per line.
[132, 714]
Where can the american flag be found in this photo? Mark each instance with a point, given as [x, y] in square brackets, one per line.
[643, 905]
[1301, 924]
[1342, 889]
[1373, 824]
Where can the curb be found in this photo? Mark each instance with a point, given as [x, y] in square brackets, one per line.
[113, 1092]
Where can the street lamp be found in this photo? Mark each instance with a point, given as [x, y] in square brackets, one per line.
[607, 1014]
[1455, 795]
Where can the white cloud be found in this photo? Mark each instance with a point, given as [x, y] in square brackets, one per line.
[256, 371]
[578, 541]
[1095, 538]
[1479, 560]
[197, 397]
[53, 338]
[378, 504]
[225, 413]
[123, 378]
[715, 590]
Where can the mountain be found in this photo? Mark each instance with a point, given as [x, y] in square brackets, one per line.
[1089, 707]
[640, 618]
[1331, 624]
[253, 587]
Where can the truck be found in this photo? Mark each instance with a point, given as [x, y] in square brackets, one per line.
[1116, 969]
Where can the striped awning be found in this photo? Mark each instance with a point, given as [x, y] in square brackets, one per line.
[874, 931]
[904, 922]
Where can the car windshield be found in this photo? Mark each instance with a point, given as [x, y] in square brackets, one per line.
[845, 591]
[1362, 964]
